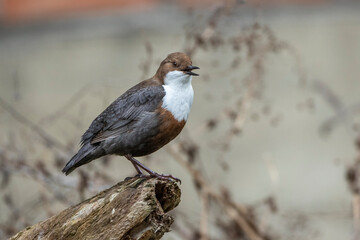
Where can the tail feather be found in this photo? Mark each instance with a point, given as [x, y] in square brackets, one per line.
[72, 164]
[86, 154]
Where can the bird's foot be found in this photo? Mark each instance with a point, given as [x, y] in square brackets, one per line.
[165, 177]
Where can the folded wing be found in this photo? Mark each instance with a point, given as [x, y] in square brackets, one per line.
[123, 113]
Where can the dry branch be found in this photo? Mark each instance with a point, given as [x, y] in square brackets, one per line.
[132, 209]
[236, 212]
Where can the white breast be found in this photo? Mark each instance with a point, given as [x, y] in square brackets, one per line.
[179, 94]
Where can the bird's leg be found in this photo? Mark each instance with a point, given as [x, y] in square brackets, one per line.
[137, 169]
[138, 164]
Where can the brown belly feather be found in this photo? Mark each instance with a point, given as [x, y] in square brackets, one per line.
[169, 128]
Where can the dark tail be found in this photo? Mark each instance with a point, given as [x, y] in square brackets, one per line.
[86, 154]
[71, 165]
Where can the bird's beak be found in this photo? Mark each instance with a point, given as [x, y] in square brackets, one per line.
[189, 69]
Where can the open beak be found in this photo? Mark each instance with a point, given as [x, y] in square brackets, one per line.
[189, 69]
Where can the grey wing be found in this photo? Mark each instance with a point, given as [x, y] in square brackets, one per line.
[123, 113]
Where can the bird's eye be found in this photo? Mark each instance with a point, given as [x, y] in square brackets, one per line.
[174, 63]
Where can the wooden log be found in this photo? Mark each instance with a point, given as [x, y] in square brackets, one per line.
[133, 209]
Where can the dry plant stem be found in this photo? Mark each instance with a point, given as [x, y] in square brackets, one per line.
[232, 210]
[145, 66]
[245, 104]
[356, 211]
[133, 209]
[356, 203]
[210, 29]
[204, 216]
[356, 215]
[252, 83]
[353, 180]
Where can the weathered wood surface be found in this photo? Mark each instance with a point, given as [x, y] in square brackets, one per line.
[133, 209]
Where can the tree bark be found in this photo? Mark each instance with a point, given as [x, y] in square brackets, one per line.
[133, 209]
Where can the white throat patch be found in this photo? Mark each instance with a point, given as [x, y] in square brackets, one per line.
[179, 94]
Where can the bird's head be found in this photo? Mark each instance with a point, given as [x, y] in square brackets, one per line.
[176, 66]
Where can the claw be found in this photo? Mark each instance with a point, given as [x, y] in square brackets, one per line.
[165, 177]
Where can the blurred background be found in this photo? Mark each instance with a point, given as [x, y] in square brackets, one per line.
[271, 149]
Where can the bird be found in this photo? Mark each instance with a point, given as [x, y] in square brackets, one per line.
[143, 119]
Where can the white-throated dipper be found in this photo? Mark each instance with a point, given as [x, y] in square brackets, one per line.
[142, 120]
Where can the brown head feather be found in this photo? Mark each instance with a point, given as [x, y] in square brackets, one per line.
[173, 62]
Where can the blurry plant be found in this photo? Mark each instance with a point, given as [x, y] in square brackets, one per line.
[353, 180]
